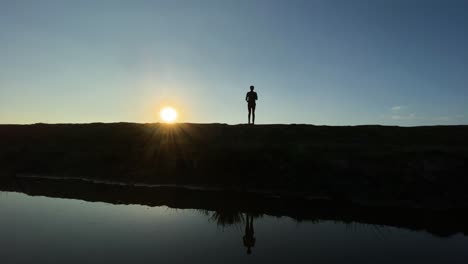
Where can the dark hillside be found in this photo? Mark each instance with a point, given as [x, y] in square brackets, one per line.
[419, 164]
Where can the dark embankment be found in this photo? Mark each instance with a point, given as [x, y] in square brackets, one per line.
[229, 204]
[423, 166]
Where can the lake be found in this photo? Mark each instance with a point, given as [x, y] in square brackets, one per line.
[38, 229]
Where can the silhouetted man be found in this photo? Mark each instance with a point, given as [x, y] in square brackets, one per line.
[251, 99]
[249, 238]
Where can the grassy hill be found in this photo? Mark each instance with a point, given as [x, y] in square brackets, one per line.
[424, 165]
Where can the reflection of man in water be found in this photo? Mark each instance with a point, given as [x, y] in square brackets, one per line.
[251, 99]
[249, 239]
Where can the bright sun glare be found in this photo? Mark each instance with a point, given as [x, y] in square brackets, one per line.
[168, 114]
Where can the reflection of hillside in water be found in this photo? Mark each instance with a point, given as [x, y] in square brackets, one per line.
[233, 207]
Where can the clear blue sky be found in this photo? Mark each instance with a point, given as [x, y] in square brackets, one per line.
[399, 62]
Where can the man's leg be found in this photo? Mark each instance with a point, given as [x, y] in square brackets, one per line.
[250, 111]
[253, 114]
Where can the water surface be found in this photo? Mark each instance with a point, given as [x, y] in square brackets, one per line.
[38, 229]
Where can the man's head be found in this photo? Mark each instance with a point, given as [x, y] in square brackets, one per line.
[251, 87]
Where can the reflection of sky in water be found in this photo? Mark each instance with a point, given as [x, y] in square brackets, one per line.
[50, 230]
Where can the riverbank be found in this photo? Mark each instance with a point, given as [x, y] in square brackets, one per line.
[421, 166]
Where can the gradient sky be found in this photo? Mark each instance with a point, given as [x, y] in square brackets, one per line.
[324, 62]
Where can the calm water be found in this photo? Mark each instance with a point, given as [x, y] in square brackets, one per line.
[51, 230]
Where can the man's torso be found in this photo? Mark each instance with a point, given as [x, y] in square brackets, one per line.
[251, 97]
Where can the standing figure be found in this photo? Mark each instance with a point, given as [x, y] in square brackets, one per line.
[251, 99]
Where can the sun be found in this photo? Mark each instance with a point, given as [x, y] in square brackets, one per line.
[168, 114]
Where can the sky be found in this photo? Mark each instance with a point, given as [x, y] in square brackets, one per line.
[322, 62]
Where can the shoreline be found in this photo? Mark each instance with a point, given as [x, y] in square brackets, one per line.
[417, 167]
[439, 222]
[270, 193]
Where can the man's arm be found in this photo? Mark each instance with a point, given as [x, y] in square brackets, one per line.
[256, 97]
[247, 97]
